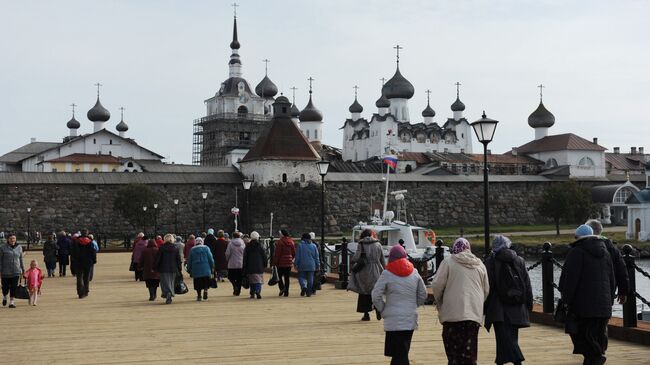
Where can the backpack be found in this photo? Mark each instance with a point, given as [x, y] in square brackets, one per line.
[511, 288]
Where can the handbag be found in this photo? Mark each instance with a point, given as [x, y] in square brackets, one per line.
[561, 313]
[21, 290]
[274, 276]
[213, 282]
[132, 266]
[180, 287]
[244, 282]
[361, 262]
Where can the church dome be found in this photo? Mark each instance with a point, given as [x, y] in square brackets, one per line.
[457, 106]
[282, 100]
[98, 113]
[541, 117]
[398, 87]
[382, 102]
[311, 113]
[428, 111]
[266, 88]
[121, 126]
[73, 124]
[295, 112]
[355, 107]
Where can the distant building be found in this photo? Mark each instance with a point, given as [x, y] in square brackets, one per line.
[638, 207]
[631, 163]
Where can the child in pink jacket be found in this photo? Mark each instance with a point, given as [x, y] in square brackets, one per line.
[34, 280]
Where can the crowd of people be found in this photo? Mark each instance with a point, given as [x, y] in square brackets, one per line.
[468, 292]
[214, 257]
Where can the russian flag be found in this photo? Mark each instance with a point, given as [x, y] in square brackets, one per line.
[391, 161]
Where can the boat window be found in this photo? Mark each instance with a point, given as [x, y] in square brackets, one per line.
[416, 237]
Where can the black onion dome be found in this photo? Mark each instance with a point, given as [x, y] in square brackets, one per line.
[355, 107]
[295, 112]
[73, 124]
[382, 102]
[98, 113]
[310, 113]
[235, 43]
[266, 88]
[398, 87]
[541, 117]
[457, 106]
[121, 126]
[428, 111]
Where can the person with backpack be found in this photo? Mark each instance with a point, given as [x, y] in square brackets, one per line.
[509, 301]
[460, 288]
[588, 288]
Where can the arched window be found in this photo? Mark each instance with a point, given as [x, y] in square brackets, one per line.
[242, 111]
[586, 162]
[284, 178]
[95, 170]
[307, 133]
[408, 168]
[94, 140]
[130, 164]
[302, 177]
[551, 163]
[110, 141]
[622, 195]
[114, 170]
[315, 133]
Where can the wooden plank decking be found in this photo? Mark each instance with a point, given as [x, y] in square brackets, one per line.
[117, 325]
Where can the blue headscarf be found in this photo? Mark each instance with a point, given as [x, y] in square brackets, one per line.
[500, 242]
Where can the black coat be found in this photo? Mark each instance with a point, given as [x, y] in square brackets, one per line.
[211, 241]
[168, 258]
[495, 309]
[587, 282]
[83, 255]
[620, 270]
[254, 258]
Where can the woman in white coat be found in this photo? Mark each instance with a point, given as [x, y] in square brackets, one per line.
[396, 295]
[460, 287]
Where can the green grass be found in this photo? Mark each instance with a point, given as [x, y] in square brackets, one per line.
[451, 231]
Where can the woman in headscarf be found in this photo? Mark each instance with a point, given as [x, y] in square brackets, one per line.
[460, 288]
[200, 265]
[254, 263]
[397, 295]
[147, 267]
[363, 281]
[168, 264]
[509, 301]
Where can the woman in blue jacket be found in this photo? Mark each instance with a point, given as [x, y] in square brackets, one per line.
[307, 262]
[200, 265]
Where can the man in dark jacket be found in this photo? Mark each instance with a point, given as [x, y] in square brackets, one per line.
[588, 287]
[84, 257]
[64, 243]
[620, 270]
[210, 241]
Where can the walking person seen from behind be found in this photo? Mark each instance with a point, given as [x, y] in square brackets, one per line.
[255, 262]
[64, 242]
[200, 265]
[11, 268]
[460, 288]
[84, 257]
[235, 256]
[139, 246]
[620, 270]
[509, 301]
[307, 263]
[363, 281]
[168, 264]
[397, 294]
[50, 252]
[283, 255]
[33, 281]
[588, 287]
[147, 265]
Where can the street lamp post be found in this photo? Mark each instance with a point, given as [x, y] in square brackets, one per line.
[323, 166]
[247, 187]
[176, 216]
[205, 197]
[484, 129]
[144, 220]
[29, 225]
[155, 219]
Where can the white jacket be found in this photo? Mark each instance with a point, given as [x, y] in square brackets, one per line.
[403, 296]
[460, 287]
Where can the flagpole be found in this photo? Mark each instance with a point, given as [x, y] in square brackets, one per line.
[386, 193]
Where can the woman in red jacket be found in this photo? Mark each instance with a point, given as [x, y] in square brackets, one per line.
[285, 252]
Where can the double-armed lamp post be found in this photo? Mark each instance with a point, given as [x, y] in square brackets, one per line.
[323, 166]
[247, 183]
[484, 129]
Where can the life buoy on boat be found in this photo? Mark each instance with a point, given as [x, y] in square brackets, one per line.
[431, 236]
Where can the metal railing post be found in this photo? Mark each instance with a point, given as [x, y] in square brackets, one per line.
[548, 296]
[343, 266]
[629, 308]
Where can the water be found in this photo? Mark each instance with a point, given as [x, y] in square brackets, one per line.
[642, 285]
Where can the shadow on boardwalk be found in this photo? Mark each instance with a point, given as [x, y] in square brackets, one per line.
[117, 325]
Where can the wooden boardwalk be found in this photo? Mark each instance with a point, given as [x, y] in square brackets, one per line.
[117, 325]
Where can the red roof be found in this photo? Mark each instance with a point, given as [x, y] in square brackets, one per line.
[84, 158]
[282, 140]
[506, 159]
[559, 142]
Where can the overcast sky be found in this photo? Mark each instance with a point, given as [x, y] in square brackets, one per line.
[161, 59]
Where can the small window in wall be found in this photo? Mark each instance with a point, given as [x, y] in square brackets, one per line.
[307, 133]
[53, 170]
[284, 178]
[408, 168]
[244, 136]
[586, 162]
[242, 111]
[315, 133]
[94, 140]
[77, 170]
[95, 170]
[110, 141]
[302, 177]
[110, 153]
[551, 163]
[113, 170]
[130, 164]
